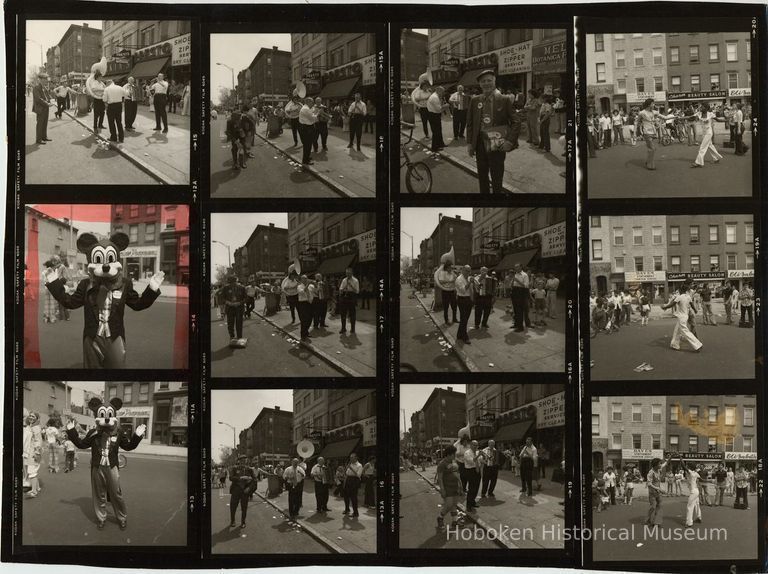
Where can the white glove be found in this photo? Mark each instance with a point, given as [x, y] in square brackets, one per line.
[52, 274]
[156, 280]
[140, 430]
[70, 425]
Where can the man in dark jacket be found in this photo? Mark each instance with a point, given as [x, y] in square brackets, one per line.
[40, 100]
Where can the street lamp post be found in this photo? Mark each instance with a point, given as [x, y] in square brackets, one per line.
[41, 51]
[232, 72]
[234, 439]
[229, 251]
[409, 236]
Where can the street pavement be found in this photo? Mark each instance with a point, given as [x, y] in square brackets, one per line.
[728, 351]
[423, 347]
[526, 170]
[420, 505]
[275, 533]
[499, 348]
[149, 336]
[276, 169]
[619, 172]
[155, 492]
[327, 354]
[738, 540]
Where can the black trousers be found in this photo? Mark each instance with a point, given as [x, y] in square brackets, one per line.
[351, 489]
[131, 108]
[746, 312]
[490, 475]
[482, 310]
[321, 134]
[473, 486]
[356, 129]
[250, 303]
[292, 300]
[463, 476]
[490, 168]
[544, 135]
[115, 119]
[436, 123]
[41, 126]
[321, 495]
[449, 300]
[70, 460]
[236, 499]
[294, 499]
[235, 321]
[526, 475]
[61, 104]
[319, 310]
[172, 103]
[305, 317]
[459, 123]
[738, 139]
[520, 306]
[98, 113]
[370, 124]
[295, 130]
[424, 121]
[348, 308]
[161, 113]
[307, 135]
[465, 310]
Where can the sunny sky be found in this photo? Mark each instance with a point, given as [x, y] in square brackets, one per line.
[239, 408]
[234, 229]
[420, 222]
[413, 397]
[237, 51]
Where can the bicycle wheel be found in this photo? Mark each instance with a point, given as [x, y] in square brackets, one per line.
[418, 178]
[121, 461]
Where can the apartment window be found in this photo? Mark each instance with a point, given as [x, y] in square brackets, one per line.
[149, 232]
[637, 441]
[618, 36]
[618, 236]
[637, 413]
[728, 443]
[674, 442]
[638, 263]
[730, 233]
[595, 221]
[674, 234]
[675, 83]
[658, 59]
[693, 234]
[475, 45]
[714, 263]
[713, 234]
[637, 55]
[621, 60]
[693, 414]
[693, 54]
[712, 444]
[143, 392]
[733, 79]
[595, 425]
[619, 264]
[656, 234]
[731, 52]
[693, 443]
[730, 416]
[712, 415]
[133, 233]
[599, 43]
[127, 393]
[674, 55]
[656, 414]
[749, 232]
[749, 416]
[746, 443]
[658, 83]
[749, 51]
[655, 441]
[600, 73]
[616, 441]
[714, 52]
[151, 209]
[658, 264]
[749, 261]
[695, 83]
[637, 236]
[597, 249]
[640, 84]
[674, 263]
[134, 211]
[730, 261]
[621, 85]
[674, 413]
[695, 264]
[616, 412]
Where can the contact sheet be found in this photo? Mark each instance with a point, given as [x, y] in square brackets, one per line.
[395, 284]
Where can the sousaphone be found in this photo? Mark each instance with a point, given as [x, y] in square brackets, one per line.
[300, 90]
[305, 449]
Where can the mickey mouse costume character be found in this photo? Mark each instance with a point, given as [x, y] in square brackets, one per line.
[103, 296]
[104, 441]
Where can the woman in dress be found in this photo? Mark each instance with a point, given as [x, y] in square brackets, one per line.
[706, 119]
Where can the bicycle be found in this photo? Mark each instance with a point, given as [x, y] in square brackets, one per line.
[418, 176]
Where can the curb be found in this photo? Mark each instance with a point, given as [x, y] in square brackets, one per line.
[140, 163]
[322, 354]
[309, 529]
[462, 164]
[336, 186]
[479, 521]
[468, 363]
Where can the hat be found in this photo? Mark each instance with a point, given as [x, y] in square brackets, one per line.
[43, 75]
[449, 257]
[485, 72]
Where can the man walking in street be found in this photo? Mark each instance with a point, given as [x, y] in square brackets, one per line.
[132, 96]
[357, 112]
[655, 492]
[721, 478]
[353, 475]
[40, 105]
[521, 292]
[61, 92]
[159, 92]
[445, 280]
[728, 302]
[682, 305]
[293, 477]
[321, 475]
[233, 295]
[706, 304]
[472, 471]
[349, 289]
[528, 461]
[490, 469]
[746, 298]
[113, 100]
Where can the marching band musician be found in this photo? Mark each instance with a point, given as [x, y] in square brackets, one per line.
[435, 106]
[464, 293]
[419, 97]
[323, 116]
[292, 110]
[445, 279]
[485, 288]
[357, 113]
[307, 131]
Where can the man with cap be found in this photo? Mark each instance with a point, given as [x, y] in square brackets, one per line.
[459, 105]
[491, 112]
[445, 279]
[485, 287]
[244, 482]
[419, 97]
[233, 295]
[40, 99]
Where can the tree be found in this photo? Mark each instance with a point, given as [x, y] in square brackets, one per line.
[220, 278]
[228, 456]
[227, 99]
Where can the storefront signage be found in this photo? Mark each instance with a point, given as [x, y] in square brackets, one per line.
[641, 453]
[363, 244]
[710, 95]
[645, 276]
[740, 455]
[179, 49]
[365, 428]
[487, 417]
[702, 276]
[640, 97]
[492, 244]
[549, 58]
[135, 412]
[115, 67]
[550, 411]
[739, 92]
[179, 412]
[550, 239]
[527, 412]
[140, 252]
[451, 62]
[514, 59]
[364, 68]
[599, 444]
[441, 76]
[695, 455]
[741, 274]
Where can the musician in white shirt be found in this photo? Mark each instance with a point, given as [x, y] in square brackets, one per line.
[307, 121]
[464, 292]
[292, 110]
[113, 100]
[357, 112]
[349, 289]
[306, 294]
[353, 475]
[159, 91]
[529, 459]
[293, 477]
[419, 97]
[435, 114]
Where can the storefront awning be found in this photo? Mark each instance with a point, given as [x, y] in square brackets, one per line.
[340, 89]
[336, 265]
[469, 78]
[341, 449]
[516, 432]
[512, 259]
[149, 68]
[117, 78]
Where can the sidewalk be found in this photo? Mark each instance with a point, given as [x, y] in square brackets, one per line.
[501, 349]
[339, 532]
[349, 172]
[164, 156]
[509, 509]
[527, 169]
[353, 353]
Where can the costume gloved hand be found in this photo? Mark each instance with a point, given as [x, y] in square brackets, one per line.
[140, 430]
[70, 425]
[52, 274]
[156, 280]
